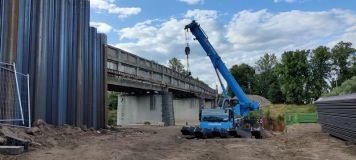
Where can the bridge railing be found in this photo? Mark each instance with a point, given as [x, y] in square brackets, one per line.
[125, 62]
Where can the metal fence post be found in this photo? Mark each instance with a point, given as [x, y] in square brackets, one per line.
[18, 93]
[28, 100]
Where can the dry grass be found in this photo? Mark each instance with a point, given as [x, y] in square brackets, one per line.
[276, 110]
[274, 114]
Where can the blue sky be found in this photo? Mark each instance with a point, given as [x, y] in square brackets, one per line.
[240, 30]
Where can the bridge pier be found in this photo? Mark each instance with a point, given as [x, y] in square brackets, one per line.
[167, 109]
[201, 101]
[159, 108]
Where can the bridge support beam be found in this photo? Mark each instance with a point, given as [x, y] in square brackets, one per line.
[202, 102]
[167, 108]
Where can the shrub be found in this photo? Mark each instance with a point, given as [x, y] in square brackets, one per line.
[347, 87]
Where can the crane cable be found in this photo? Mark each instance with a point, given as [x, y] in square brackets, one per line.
[187, 50]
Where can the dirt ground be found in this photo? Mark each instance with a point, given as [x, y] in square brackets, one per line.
[153, 143]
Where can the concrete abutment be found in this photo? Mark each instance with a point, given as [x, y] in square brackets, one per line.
[160, 108]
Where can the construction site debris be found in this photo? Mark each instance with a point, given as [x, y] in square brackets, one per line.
[11, 150]
[33, 130]
[304, 141]
[2, 140]
[39, 123]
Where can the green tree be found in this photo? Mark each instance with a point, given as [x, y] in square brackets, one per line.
[341, 53]
[293, 75]
[112, 98]
[266, 83]
[244, 75]
[320, 68]
[176, 65]
[353, 68]
[274, 93]
[266, 63]
[347, 87]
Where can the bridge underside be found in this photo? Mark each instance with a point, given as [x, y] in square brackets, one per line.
[153, 92]
[141, 87]
[155, 105]
[140, 91]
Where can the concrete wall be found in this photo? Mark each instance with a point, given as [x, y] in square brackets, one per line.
[139, 109]
[148, 108]
[186, 110]
[209, 104]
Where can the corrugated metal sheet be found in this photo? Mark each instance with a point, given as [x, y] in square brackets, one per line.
[337, 116]
[52, 41]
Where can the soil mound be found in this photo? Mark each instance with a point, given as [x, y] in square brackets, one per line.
[262, 100]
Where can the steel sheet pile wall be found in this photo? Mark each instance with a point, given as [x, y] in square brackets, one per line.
[337, 116]
[52, 41]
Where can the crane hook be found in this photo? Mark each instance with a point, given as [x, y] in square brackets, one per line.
[187, 50]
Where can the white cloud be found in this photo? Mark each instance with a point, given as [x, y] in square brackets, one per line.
[154, 41]
[202, 15]
[102, 27]
[348, 36]
[110, 7]
[288, 1]
[262, 30]
[190, 2]
[244, 39]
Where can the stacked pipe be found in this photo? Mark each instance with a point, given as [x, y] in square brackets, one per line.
[337, 116]
[52, 41]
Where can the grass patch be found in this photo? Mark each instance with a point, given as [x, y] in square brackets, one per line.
[276, 110]
[112, 117]
[274, 114]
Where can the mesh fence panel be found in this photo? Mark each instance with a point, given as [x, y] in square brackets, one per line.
[14, 97]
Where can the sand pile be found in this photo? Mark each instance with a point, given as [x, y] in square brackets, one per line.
[262, 100]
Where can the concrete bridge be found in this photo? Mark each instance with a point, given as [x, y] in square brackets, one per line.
[151, 92]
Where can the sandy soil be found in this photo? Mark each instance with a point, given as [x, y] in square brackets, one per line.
[150, 143]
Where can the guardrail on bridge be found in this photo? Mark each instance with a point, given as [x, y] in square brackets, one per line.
[133, 67]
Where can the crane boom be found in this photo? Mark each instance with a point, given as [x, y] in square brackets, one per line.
[245, 103]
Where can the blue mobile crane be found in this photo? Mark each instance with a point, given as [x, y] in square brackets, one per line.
[229, 119]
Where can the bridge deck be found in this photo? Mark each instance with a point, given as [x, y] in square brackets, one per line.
[126, 70]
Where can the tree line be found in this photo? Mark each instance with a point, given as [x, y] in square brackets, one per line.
[300, 76]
